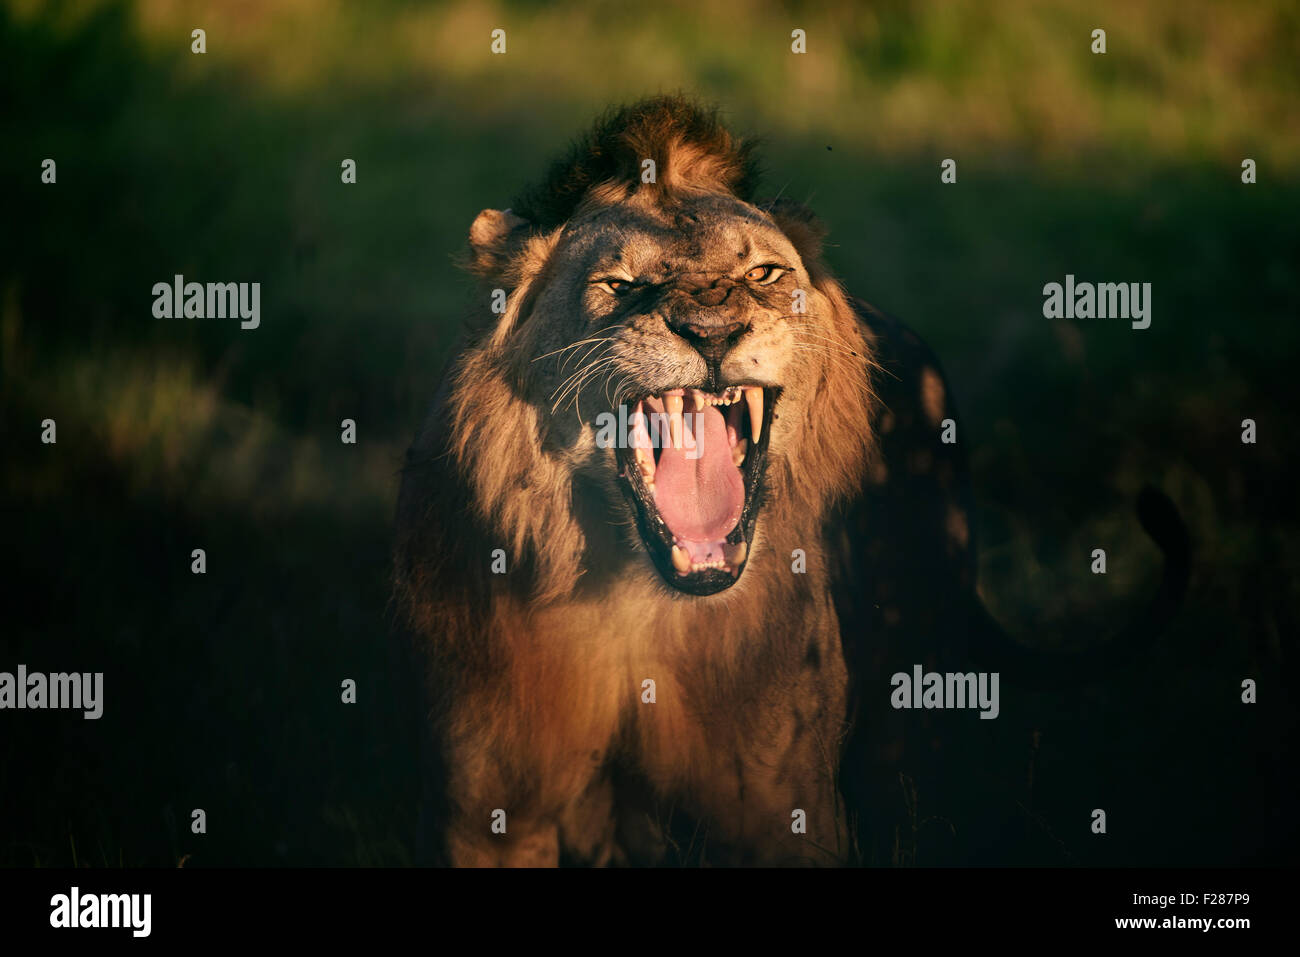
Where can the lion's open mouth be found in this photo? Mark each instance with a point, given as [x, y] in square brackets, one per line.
[692, 470]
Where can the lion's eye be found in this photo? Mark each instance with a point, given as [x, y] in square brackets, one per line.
[616, 286]
[763, 275]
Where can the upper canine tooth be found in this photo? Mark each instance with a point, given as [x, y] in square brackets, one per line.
[674, 404]
[754, 399]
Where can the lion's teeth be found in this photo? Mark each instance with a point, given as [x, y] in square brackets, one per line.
[681, 560]
[645, 461]
[738, 452]
[674, 404]
[754, 399]
[698, 399]
[735, 554]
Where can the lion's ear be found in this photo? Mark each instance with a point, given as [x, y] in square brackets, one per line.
[492, 238]
[800, 225]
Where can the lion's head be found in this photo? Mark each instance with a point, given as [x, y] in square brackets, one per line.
[668, 368]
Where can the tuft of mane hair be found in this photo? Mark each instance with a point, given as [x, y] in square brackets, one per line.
[690, 146]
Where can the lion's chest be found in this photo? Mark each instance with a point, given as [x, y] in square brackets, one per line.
[672, 688]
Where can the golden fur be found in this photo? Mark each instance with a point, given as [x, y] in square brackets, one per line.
[535, 676]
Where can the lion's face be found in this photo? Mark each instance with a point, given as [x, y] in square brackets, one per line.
[660, 343]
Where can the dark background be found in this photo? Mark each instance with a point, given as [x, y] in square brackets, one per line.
[223, 691]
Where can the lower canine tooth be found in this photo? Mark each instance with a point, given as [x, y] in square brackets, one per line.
[681, 560]
[735, 554]
[738, 452]
[754, 399]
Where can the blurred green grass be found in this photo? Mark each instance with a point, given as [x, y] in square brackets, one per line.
[182, 434]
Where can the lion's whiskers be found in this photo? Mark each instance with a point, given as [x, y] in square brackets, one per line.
[575, 383]
[594, 337]
[843, 360]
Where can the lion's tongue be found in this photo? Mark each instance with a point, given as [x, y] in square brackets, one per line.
[698, 491]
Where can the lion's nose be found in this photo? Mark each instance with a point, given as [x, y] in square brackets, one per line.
[711, 337]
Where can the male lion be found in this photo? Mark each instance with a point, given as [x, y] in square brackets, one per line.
[638, 640]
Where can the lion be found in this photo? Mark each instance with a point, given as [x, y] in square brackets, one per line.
[634, 549]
